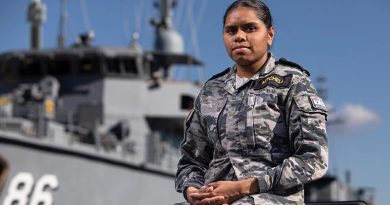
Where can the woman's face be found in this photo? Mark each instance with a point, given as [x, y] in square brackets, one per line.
[247, 38]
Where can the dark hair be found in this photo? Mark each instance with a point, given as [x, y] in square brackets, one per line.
[261, 9]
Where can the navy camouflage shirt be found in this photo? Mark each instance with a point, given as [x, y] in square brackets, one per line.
[273, 128]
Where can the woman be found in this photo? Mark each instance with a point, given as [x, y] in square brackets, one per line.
[257, 133]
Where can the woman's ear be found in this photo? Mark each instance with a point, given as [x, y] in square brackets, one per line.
[271, 35]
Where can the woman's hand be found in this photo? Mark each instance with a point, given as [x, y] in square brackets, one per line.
[222, 192]
[230, 191]
[203, 196]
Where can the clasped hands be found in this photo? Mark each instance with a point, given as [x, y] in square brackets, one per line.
[219, 193]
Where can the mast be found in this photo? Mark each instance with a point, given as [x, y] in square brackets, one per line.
[167, 39]
[63, 18]
[36, 14]
[321, 88]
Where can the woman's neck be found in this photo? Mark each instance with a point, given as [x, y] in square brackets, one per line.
[247, 71]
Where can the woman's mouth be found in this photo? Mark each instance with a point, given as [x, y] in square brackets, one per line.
[240, 48]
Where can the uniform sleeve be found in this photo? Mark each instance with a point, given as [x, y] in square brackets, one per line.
[306, 123]
[196, 152]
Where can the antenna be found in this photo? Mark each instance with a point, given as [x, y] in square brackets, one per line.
[86, 38]
[137, 28]
[63, 18]
[194, 25]
[84, 11]
[36, 14]
[321, 89]
[134, 42]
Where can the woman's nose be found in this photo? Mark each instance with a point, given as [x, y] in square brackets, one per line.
[239, 37]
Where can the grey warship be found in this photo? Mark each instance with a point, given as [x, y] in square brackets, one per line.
[93, 125]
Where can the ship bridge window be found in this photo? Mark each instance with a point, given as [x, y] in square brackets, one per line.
[187, 102]
[7, 71]
[31, 67]
[113, 66]
[60, 66]
[130, 66]
[90, 65]
[122, 66]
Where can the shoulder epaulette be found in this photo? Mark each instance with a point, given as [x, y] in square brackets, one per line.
[286, 62]
[219, 74]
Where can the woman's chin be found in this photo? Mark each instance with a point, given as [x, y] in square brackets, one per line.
[243, 61]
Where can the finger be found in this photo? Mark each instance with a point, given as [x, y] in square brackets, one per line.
[202, 189]
[200, 196]
[217, 200]
[205, 189]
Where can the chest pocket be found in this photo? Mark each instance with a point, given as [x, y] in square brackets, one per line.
[212, 110]
[263, 115]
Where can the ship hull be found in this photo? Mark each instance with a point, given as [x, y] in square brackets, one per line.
[80, 176]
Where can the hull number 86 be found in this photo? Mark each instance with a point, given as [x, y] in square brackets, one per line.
[23, 191]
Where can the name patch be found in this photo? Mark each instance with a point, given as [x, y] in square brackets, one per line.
[273, 80]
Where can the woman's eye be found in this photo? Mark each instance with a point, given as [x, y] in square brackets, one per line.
[250, 28]
[231, 30]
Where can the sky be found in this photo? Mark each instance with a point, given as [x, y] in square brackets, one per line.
[345, 41]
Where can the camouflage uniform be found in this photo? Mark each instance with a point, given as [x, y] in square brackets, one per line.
[272, 128]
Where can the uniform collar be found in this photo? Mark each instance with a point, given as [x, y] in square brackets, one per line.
[268, 67]
[230, 80]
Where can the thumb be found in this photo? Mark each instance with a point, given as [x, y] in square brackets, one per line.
[209, 189]
[213, 184]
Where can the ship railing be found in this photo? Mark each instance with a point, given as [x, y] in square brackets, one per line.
[18, 125]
